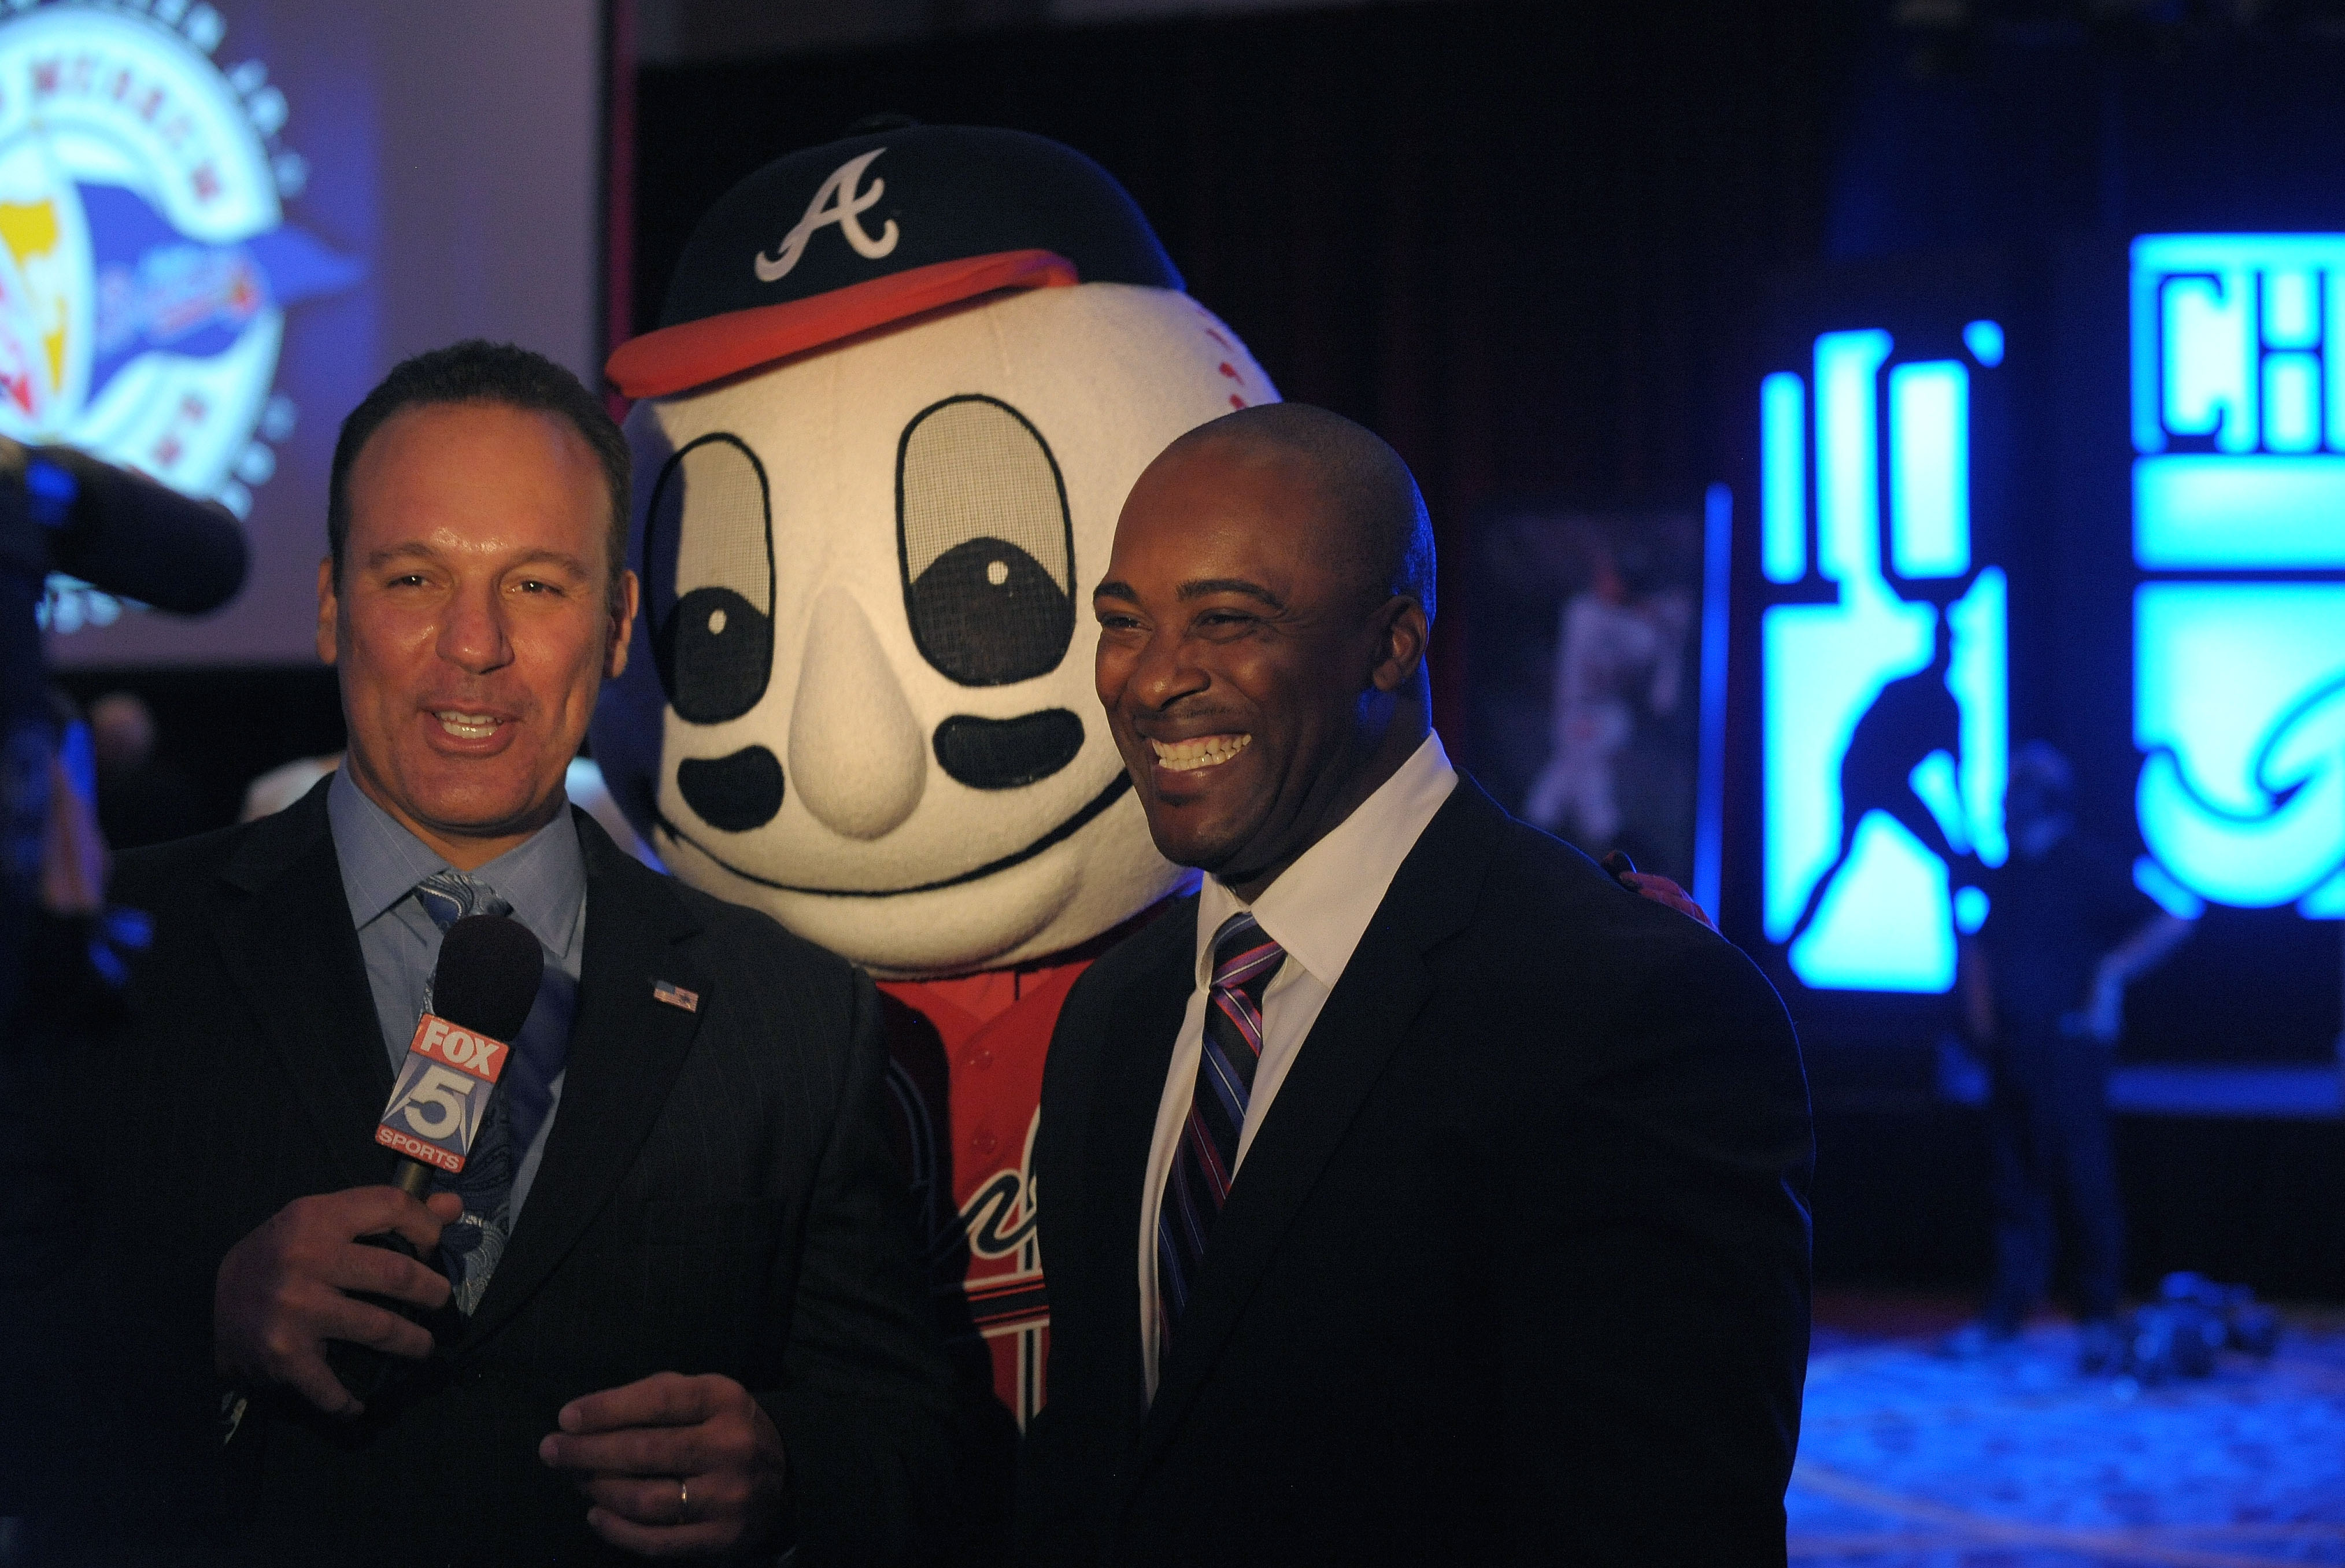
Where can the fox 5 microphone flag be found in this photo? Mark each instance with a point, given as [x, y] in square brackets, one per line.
[442, 1094]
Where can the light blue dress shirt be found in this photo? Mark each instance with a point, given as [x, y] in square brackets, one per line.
[543, 878]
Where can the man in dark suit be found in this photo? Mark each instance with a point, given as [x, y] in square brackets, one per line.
[683, 1281]
[1415, 1193]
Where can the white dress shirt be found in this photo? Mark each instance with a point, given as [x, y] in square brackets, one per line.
[1317, 910]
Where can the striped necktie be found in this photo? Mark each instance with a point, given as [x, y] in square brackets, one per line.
[1206, 1159]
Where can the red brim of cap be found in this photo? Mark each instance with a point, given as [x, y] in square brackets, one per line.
[676, 359]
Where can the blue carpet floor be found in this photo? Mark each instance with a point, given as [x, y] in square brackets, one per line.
[2014, 1461]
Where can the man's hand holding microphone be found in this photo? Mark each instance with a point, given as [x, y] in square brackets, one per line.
[298, 1282]
[669, 1464]
[293, 1284]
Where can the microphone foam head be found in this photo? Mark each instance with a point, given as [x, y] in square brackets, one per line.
[490, 966]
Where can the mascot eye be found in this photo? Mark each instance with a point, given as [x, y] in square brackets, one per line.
[985, 542]
[708, 549]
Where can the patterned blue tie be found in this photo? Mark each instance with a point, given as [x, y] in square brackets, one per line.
[448, 896]
[1205, 1161]
[472, 1247]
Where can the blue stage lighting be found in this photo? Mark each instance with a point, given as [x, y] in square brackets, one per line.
[1929, 468]
[2239, 712]
[1980, 680]
[1887, 924]
[2238, 425]
[1710, 799]
[1984, 341]
[2291, 402]
[1935, 784]
[1783, 492]
[2168, 894]
[1885, 734]
[2326, 902]
[2198, 511]
[1848, 458]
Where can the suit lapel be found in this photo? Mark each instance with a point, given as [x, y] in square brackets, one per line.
[1368, 1016]
[626, 1049]
[284, 932]
[1135, 1058]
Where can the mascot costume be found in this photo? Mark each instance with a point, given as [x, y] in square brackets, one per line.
[900, 388]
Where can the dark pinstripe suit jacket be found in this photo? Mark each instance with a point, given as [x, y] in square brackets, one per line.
[716, 1195]
[1516, 1268]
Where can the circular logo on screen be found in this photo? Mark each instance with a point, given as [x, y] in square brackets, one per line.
[146, 265]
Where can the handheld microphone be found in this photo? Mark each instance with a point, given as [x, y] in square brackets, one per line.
[126, 533]
[481, 990]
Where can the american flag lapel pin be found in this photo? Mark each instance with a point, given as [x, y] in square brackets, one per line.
[675, 996]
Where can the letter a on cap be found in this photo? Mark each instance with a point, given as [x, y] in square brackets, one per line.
[837, 202]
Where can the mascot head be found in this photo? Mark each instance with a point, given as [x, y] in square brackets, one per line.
[899, 391]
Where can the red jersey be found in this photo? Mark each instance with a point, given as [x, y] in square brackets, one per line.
[966, 1074]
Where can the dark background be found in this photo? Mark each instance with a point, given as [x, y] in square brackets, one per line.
[1512, 239]
[2047, 143]
[1544, 250]
[1525, 565]
[1536, 247]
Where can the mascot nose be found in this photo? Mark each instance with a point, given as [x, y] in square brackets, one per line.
[855, 755]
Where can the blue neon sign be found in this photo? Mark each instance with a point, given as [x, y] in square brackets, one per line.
[2239, 434]
[1886, 738]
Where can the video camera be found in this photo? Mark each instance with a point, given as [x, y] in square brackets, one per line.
[64, 511]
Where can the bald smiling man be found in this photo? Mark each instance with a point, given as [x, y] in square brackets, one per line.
[1417, 1193]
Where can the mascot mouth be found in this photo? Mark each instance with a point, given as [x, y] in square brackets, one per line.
[1115, 789]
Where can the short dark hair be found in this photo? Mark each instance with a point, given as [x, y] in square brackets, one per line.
[478, 370]
[1391, 544]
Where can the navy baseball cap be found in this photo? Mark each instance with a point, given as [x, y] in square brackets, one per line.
[840, 238]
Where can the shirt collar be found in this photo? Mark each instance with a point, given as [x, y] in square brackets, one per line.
[1320, 907]
[543, 877]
